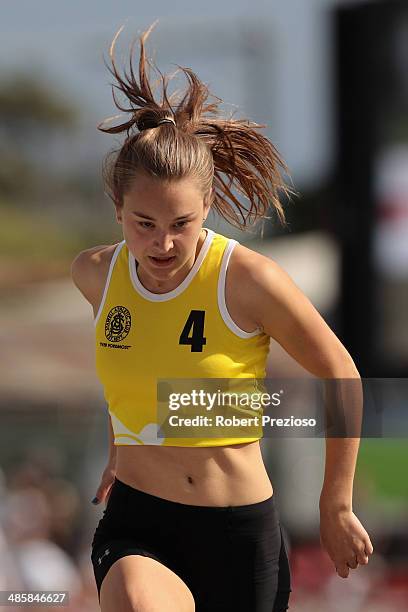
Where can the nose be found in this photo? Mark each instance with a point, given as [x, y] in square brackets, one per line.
[163, 242]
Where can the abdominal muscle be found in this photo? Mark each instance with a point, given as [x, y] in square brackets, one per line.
[204, 476]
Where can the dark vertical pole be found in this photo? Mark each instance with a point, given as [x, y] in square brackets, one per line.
[362, 36]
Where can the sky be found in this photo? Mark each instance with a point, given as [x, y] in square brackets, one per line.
[286, 86]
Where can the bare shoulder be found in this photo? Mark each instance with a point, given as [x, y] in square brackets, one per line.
[241, 292]
[254, 270]
[242, 255]
[260, 287]
[265, 292]
[89, 271]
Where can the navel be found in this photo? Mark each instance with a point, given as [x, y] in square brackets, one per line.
[190, 480]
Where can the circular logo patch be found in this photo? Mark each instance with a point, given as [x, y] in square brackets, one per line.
[117, 324]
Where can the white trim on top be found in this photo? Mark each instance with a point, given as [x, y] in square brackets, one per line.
[105, 291]
[163, 297]
[221, 295]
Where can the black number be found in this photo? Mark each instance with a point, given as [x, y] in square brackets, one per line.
[195, 325]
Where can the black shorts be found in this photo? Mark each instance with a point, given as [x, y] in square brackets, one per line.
[232, 558]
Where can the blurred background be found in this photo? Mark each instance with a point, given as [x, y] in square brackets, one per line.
[330, 81]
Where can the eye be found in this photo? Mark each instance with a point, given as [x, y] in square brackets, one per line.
[145, 224]
[180, 224]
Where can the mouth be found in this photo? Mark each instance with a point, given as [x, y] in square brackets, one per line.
[162, 262]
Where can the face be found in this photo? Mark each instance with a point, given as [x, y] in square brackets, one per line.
[161, 223]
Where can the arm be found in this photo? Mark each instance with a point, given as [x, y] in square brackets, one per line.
[88, 271]
[341, 455]
[284, 313]
[112, 447]
[109, 473]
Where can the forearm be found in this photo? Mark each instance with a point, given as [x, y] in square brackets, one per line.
[346, 401]
[341, 459]
[112, 447]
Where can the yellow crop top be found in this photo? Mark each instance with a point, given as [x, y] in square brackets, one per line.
[143, 336]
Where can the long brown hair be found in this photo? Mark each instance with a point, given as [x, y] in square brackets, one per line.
[199, 144]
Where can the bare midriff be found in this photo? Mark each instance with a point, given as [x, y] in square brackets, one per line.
[206, 476]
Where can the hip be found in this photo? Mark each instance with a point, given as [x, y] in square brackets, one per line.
[132, 513]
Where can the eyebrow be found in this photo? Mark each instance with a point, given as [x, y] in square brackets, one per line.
[140, 214]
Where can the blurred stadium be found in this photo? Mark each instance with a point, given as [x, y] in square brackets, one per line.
[330, 80]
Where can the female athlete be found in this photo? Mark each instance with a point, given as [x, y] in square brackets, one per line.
[191, 523]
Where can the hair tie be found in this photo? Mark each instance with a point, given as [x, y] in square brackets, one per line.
[167, 120]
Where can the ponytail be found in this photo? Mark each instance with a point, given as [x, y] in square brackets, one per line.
[194, 142]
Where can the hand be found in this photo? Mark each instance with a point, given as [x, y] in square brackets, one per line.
[107, 480]
[345, 540]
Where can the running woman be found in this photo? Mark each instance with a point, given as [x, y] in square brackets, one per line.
[191, 523]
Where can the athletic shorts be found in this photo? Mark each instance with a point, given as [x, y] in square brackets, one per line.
[232, 558]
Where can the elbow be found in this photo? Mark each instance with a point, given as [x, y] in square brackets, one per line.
[344, 368]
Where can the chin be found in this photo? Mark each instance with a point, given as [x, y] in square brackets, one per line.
[161, 274]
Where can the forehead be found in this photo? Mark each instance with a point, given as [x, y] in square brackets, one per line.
[148, 193]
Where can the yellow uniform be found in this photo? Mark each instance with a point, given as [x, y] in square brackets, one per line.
[186, 333]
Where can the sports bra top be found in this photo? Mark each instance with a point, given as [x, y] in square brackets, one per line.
[145, 338]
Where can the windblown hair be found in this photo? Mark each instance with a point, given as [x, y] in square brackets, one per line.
[200, 145]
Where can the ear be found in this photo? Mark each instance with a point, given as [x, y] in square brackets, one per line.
[118, 213]
[208, 200]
